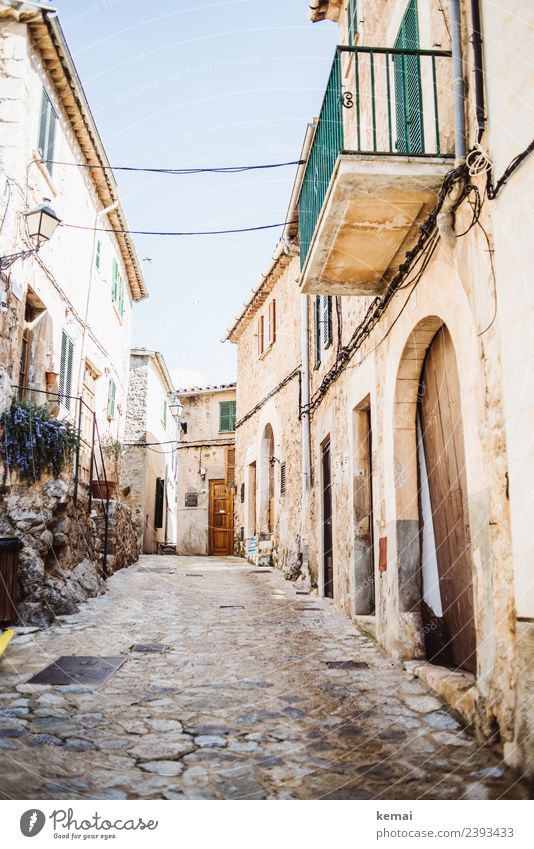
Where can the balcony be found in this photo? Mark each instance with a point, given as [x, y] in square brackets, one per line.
[382, 146]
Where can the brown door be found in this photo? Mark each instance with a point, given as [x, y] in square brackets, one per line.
[221, 519]
[442, 431]
[328, 553]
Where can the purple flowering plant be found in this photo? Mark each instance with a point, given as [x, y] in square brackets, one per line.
[33, 441]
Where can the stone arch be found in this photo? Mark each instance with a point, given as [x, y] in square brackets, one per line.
[410, 487]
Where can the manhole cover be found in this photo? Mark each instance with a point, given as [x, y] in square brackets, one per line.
[347, 664]
[160, 570]
[231, 607]
[149, 648]
[71, 669]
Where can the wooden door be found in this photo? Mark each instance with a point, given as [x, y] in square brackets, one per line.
[221, 519]
[328, 559]
[442, 433]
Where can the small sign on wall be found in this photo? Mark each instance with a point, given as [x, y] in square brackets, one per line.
[191, 499]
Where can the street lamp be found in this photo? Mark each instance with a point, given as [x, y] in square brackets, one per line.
[41, 223]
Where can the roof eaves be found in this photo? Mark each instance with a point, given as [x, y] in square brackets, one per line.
[50, 41]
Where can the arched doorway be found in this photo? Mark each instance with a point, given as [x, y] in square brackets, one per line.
[447, 607]
[267, 497]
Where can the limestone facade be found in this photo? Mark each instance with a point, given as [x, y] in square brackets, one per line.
[66, 311]
[148, 470]
[268, 447]
[206, 444]
[366, 518]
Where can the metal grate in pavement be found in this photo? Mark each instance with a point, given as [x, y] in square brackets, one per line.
[75, 669]
[149, 648]
[261, 572]
[193, 575]
[231, 607]
[160, 570]
[316, 609]
[347, 664]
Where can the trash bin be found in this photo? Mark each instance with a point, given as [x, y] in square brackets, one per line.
[9, 561]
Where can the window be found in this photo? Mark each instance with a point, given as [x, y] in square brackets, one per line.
[122, 290]
[260, 336]
[242, 493]
[115, 281]
[267, 329]
[159, 503]
[65, 370]
[226, 416]
[98, 254]
[327, 321]
[230, 465]
[322, 326]
[164, 413]
[282, 478]
[112, 394]
[118, 287]
[47, 132]
[317, 330]
[352, 20]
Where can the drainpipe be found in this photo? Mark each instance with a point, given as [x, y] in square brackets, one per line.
[457, 72]
[476, 41]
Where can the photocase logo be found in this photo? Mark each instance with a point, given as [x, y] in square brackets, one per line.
[32, 822]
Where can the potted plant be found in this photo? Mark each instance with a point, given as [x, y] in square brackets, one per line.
[111, 451]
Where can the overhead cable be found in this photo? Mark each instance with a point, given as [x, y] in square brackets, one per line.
[225, 169]
[176, 232]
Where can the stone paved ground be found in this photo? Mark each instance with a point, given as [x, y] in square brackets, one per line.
[242, 706]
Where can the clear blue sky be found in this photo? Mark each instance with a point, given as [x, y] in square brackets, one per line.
[180, 84]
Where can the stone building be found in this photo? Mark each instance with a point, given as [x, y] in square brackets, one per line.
[268, 452]
[206, 470]
[65, 311]
[148, 472]
[416, 400]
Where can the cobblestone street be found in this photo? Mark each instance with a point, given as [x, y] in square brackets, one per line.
[243, 705]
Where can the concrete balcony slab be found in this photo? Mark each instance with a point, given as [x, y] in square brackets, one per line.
[370, 217]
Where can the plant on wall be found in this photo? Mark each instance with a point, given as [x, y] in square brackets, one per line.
[33, 441]
[112, 451]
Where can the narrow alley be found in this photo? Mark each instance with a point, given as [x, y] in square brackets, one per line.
[246, 703]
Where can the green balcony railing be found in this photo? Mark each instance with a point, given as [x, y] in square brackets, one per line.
[378, 101]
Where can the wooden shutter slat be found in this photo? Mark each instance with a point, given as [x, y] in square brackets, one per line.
[260, 335]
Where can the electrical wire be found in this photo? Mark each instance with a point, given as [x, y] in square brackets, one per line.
[177, 232]
[494, 189]
[228, 169]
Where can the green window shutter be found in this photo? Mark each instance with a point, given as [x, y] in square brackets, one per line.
[317, 330]
[408, 94]
[352, 14]
[112, 391]
[227, 416]
[98, 253]
[47, 131]
[65, 370]
[114, 281]
[327, 321]
[164, 413]
[121, 295]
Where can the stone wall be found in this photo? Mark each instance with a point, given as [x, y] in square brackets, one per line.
[133, 463]
[60, 564]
